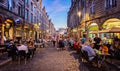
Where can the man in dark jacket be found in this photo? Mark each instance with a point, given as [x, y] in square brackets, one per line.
[97, 42]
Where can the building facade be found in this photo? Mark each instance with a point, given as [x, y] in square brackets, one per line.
[12, 18]
[74, 18]
[62, 32]
[51, 28]
[97, 15]
[22, 18]
[33, 18]
[47, 25]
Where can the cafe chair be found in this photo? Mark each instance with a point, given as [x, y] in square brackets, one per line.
[84, 56]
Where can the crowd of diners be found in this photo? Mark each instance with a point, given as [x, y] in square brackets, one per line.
[90, 45]
[15, 46]
[96, 43]
[79, 44]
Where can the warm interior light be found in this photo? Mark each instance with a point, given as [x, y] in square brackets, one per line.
[79, 13]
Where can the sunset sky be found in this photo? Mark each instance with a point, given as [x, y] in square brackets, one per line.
[57, 11]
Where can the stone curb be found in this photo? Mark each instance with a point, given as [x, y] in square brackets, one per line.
[114, 64]
[5, 62]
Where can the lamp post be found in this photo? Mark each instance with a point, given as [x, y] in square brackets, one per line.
[39, 30]
[79, 16]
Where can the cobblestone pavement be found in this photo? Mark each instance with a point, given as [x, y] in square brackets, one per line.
[52, 59]
[46, 59]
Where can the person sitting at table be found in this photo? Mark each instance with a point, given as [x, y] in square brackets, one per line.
[92, 55]
[22, 47]
[104, 48]
[31, 44]
[115, 50]
[31, 48]
[89, 48]
[13, 50]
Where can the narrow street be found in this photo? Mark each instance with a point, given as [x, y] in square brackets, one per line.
[46, 59]
[52, 59]
[91, 28]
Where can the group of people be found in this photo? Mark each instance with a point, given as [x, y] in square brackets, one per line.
[60, 42]
[16, 46]
[96, 44]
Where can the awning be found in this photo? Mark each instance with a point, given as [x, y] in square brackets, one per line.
[93, 32]
[112, 30]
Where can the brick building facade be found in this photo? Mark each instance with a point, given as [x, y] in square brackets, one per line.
[23, 18]
[99, 12]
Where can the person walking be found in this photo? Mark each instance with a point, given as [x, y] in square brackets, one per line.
[61, 44]
[65, 43]
[54, 41]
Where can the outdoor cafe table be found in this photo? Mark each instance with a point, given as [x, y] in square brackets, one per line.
[38, 44]
[102, 57]
[101, 54]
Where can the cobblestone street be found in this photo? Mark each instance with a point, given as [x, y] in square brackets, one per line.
[52, 59]
[46, 59]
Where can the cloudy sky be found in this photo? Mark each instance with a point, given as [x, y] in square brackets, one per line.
[57, 11]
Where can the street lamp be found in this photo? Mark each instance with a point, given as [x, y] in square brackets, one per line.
[79, 13]
[79, 16]
[39, 24]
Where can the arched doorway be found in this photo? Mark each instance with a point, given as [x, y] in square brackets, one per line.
[109, 24]
[93, 29]
[9, 28]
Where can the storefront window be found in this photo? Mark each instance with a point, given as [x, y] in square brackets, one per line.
[9, 29]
